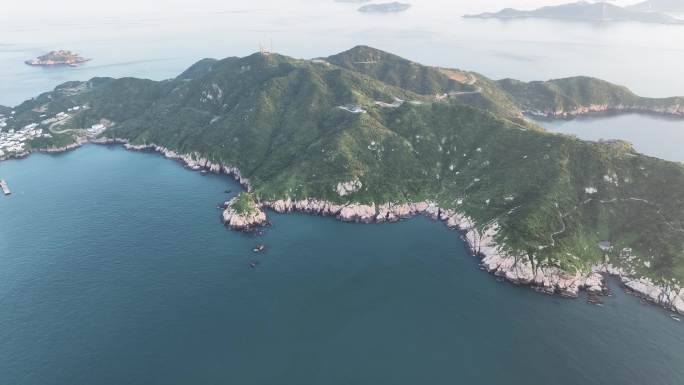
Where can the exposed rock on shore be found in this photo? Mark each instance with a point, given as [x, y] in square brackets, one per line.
[346, 188]
[482, 242]
[673, 110]
[670, 296]
[243, 221]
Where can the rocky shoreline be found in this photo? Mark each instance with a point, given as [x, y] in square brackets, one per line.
[494, 259]
[481, 242]
[243, 221]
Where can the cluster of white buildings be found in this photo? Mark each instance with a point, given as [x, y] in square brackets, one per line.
[14, 142]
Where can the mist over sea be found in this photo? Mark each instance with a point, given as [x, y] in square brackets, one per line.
[144, 39]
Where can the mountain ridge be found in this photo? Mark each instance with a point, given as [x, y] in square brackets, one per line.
[583, 11]
[301, 129]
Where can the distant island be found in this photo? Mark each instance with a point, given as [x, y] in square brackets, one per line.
[583, 11]
[659, 6]
[57, 58]
[385, 7]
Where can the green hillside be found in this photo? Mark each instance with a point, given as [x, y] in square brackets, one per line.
[297, 128]
[554, 97]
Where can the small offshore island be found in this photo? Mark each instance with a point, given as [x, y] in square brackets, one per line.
[392, 7]
[366, 136]
[58, 58]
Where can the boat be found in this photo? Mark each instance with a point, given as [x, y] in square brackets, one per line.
[676, 318]
[228, 191]
[259, 248]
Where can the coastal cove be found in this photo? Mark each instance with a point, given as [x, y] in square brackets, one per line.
[481, 241]
[183, 300]
[653, 135]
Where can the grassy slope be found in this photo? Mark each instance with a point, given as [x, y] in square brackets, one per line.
[276, 118]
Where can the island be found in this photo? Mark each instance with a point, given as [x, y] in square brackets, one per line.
[392, 7]
[540, 209]
[659, 6]
[58, 58]
[583, 11]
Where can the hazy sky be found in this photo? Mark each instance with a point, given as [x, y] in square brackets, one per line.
[78, 8]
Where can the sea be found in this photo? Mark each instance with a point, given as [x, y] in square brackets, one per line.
[115, 268]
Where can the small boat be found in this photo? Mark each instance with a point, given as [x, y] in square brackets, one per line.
[228, 191]
[203, 172]
[253, 264]
[674, 317]
[259, 248]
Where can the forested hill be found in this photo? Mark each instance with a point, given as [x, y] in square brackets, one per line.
[400, 132]
[580, 95]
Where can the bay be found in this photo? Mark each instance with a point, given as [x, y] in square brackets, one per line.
[658, 136]
[115, 269]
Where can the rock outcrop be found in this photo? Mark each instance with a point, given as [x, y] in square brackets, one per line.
[243, 221]
[494, 258]
[670, 296]
[346, 188]
[521, 270]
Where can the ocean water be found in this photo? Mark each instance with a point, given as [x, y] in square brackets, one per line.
[658, 136]
[115, 269]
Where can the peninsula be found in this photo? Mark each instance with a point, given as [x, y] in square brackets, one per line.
[57, 58]
[659, 6]
[392, 7]
[584, 11]
[540, 209]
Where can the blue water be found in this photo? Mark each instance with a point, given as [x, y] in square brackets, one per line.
[115, 269]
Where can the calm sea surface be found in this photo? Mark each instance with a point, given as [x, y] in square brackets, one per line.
[144, 39]
[115, 269]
